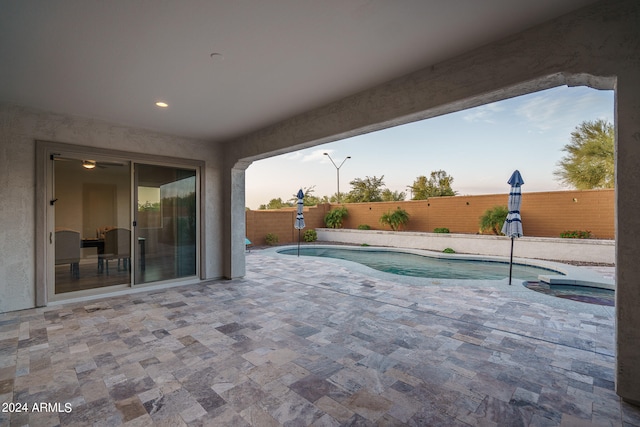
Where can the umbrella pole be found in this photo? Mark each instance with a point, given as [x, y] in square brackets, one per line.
[298, 242]
[511, 262]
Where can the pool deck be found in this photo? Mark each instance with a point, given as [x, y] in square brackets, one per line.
[304, 341]
[563, 274]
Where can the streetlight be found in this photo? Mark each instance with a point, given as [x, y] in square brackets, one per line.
[337, 171]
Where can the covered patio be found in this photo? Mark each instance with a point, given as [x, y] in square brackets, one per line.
[211, 89]
[313, 343]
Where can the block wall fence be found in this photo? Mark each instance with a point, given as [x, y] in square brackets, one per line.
[544, 214]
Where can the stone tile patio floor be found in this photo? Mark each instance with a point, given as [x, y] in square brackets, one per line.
[311, 343]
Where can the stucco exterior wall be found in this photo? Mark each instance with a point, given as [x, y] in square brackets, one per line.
[19, 129]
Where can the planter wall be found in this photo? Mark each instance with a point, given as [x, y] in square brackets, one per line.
[582, 250]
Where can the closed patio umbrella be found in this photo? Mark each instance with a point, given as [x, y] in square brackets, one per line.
[512, 227]
[299, 224]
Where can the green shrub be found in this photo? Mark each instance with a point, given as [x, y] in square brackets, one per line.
[441, 230]
[334, 218]
[449, 251]
[364, 244]
[364, 227]
[395, 219]
[576, 234]
[493, 218]
[271, 239]
[310, 236]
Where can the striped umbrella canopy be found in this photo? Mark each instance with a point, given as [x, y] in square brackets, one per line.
[299, 224]
[512, 227]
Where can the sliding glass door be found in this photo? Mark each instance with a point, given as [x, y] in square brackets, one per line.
[91, 238]
[166, 223]
[115, 223]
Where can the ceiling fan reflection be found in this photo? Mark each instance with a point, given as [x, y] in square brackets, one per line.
[89, 164]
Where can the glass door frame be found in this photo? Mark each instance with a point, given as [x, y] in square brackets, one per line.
[45, 216]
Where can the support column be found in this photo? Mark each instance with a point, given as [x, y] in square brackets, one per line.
[628, 235]
[234, 220]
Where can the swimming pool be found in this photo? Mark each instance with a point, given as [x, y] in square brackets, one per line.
[410, 264]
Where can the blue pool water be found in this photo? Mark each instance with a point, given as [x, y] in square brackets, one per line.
[408, 264]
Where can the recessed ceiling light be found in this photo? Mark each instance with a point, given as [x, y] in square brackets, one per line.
[162, 104]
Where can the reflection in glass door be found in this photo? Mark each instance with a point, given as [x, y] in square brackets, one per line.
[92, 235]
[166, 221]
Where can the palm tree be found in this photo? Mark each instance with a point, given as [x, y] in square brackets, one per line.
[333, 219]
[493, 218]
[395, 219]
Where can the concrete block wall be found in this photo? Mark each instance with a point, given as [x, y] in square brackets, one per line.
[459, 213]
[544, 214]
[280, 222]
[551, 213]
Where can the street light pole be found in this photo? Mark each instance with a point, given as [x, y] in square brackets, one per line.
[337, 171]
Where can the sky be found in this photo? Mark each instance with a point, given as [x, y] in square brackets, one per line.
[479, 147]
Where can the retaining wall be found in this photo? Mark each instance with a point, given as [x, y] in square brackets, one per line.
[583, 250]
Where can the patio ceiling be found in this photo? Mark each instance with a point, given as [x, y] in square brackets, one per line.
[113, 60]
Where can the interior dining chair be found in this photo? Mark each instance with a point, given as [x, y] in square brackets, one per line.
[67, 250]
[117, 245]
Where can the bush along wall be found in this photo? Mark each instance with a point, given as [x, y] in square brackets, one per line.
[576, 234]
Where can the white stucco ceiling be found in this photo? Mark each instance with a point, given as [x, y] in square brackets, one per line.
[112, 60]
